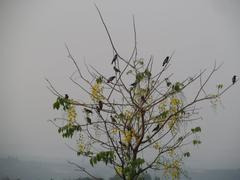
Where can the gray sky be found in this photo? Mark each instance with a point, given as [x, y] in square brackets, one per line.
[32, 37]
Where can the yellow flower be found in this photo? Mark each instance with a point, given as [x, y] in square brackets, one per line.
[156, 146]
[71, 114]
[175, 101]
[127, 137]
[118, 170]
[128, 115]
[81, 148]
[114, 131]
[96, 92]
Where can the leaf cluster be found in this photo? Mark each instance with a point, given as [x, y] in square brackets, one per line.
[61, 102]
[68, 130]
[104, 156]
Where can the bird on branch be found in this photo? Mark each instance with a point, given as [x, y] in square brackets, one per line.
[113, 119]
[66, 96]
[156, 128]
[234, 79]
[166, 60]
[100, 105]
[116, 70]
[134, 84]
[114, 58]
[110, 79]
[89, 121]
[88, 111]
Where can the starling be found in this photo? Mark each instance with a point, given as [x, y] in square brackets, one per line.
[88, 111]
[114, 58]
[100, 105]
[66, 96]
[156, 128]
[116, 70]
[166, 60]
[110, 79]
[234, 79]
[89, 121]
[113, 119]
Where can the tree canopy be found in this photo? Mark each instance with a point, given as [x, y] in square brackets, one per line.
[136, 119]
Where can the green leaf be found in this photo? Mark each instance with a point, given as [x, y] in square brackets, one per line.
[99, 79]
[220, 86]
[196, 129]
[195, 142]
[56, 105]
[148, 73]
[177, 86]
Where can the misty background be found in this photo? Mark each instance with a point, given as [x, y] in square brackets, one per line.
[32, 37]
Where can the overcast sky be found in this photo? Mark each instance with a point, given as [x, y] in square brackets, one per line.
[32, 36]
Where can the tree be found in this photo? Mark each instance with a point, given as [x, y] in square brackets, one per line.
[133, 114]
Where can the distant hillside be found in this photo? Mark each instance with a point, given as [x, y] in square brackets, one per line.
[30, 170]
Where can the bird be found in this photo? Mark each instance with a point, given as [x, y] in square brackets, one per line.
[88, 111]
[156, 128]
[234, 79]
[114, 58]
[66, 96]
[166, 60]
[168, 82]
[113, 119]
[143, 99]
[110, 79]
[100, 105]
[116, 70]
[89, 121]
[134, 84]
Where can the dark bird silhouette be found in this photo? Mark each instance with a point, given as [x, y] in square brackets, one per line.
[110, 79]
[116, 70]
[168, 82]
[66, 96]
[234, 79]
[114, 58]
[156, 128]
[166, 60]
[88, 111]
[143, 99]
[113, 119]
[100, 105]
[134, 84]
[89, 121]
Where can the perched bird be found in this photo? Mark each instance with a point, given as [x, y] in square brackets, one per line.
[113, 119]
[156, 128]
[134, 84]
[88, 111]
[110, 79]
[114, 58]
[143, 99]
[166, 60]
[100, 105]
[234, 79]
[66, 96]
[168, 82]
[116, 70]
[89, 121]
